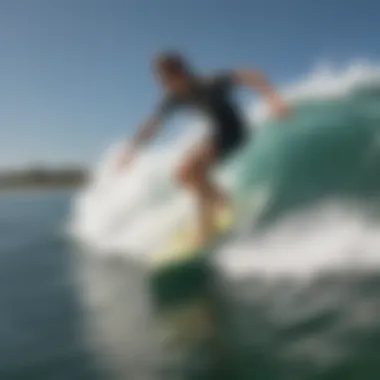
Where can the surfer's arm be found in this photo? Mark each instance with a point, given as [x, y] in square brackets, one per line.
[143, 135]
[255, 80]
[151, 126]
[147, 130]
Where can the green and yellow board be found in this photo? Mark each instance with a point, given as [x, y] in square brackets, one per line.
[180, 270]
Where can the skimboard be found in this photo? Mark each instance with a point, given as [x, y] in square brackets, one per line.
[180, 269]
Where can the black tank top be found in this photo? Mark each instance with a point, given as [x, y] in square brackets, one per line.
[212, 98]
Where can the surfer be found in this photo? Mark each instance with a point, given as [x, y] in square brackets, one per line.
[212, 96]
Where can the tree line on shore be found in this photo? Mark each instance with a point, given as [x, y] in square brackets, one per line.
[42, 177]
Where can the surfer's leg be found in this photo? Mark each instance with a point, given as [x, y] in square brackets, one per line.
[193, 174]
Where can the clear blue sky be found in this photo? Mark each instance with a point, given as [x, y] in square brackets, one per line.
[75, 74]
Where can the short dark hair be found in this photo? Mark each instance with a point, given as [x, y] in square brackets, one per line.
[171, 62]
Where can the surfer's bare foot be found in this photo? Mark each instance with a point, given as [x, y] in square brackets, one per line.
[220, 204]
[220, 208]
[204, 235]
[202, 238]
[209, 228]
[220, 200]
[221, 211]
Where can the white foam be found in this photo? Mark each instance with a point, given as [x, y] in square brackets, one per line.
[325, 81]
[329, 236]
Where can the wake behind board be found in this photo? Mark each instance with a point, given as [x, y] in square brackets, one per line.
[180, 270]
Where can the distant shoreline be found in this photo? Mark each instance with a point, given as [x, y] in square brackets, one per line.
[37, 188]
[40, 179]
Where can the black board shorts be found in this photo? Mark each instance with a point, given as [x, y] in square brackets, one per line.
[229, 143]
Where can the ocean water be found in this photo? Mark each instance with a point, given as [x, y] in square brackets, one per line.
[296, 289]
[40, 313]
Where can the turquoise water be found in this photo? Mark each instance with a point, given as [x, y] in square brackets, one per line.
[298, 300]
[329, 148]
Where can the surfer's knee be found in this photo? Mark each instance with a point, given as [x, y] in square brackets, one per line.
[183, 175]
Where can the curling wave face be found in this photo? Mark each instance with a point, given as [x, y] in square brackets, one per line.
[295, 184]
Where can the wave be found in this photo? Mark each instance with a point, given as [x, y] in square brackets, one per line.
[329, 151]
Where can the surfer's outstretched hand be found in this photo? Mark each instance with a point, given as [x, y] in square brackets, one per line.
[280, 108]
